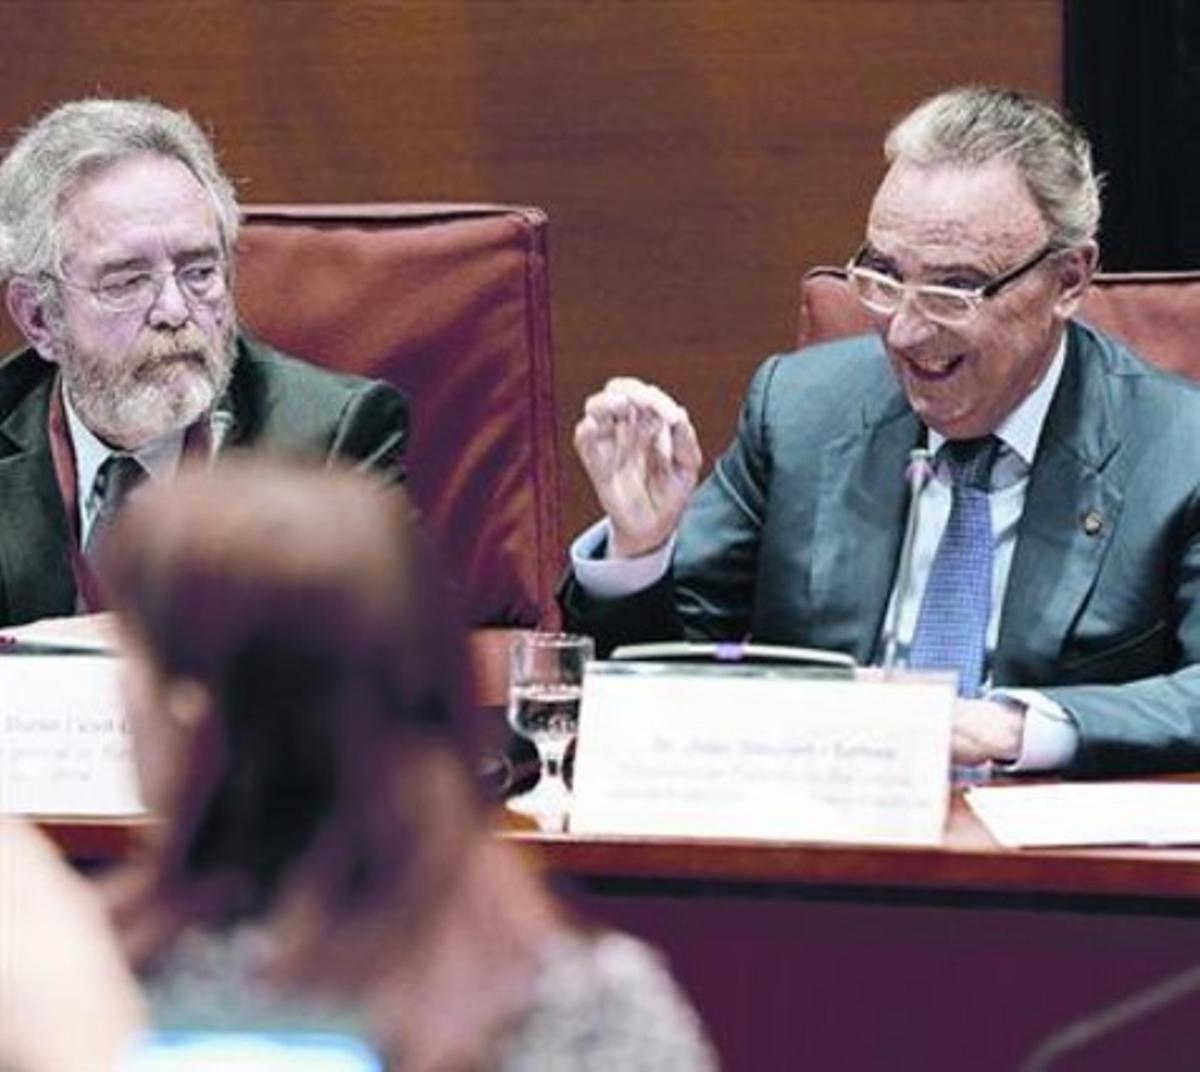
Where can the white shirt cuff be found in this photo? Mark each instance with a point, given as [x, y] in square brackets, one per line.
[611, 578]
[1049, 739]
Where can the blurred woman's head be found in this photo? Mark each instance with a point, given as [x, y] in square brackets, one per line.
[302, 726]
[296, 688]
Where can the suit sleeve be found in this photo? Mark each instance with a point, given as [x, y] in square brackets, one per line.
[708, 593]
[372, 431]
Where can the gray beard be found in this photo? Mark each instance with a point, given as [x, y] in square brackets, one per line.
[168, 381]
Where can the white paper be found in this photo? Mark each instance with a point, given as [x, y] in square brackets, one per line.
[64, 739]
[1091, 813]
[679, 753]
[95, 633]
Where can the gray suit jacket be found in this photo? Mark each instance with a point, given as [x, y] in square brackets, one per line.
[794, 538]
[279, 405]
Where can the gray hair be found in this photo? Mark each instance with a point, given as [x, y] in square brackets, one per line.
[976, 125]
[80, 139]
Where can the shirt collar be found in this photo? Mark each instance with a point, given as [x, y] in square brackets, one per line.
[160, 458]
[1021, 430]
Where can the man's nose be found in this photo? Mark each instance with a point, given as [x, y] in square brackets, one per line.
[170, 307]
[909, 327]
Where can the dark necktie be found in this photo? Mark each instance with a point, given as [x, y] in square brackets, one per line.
[117, 478]
[952, 626]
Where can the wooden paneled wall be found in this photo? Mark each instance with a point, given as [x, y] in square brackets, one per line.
[694, 155]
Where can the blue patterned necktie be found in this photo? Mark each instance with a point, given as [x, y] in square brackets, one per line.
[952, 626]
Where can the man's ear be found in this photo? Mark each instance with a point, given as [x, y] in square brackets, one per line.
[1076, 267]
[29, 313]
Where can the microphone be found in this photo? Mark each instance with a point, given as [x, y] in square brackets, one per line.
[917, 474]
[1138, 1006]
[220, 420]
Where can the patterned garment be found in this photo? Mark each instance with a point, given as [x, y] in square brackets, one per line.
[602, 1002]
[607, 1003]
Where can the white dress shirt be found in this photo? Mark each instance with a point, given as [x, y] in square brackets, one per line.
[1049, 738]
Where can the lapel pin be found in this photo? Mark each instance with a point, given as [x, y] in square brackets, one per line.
[1093, 523]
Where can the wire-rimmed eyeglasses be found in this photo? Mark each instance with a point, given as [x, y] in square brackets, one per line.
[203, 279]
[885, 294]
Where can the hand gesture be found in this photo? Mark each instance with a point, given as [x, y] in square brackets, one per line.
[642, 457]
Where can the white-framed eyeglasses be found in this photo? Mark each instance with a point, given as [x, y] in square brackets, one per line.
[882, 293]
[203, 280]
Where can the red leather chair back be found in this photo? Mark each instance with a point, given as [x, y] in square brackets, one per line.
[1155, 313]
[450, 303]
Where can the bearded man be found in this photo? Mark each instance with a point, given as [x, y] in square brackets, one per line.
[118, 228]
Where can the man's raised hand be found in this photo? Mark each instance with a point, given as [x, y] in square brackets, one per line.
[643, 458]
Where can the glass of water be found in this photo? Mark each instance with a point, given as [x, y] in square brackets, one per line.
[544, 688]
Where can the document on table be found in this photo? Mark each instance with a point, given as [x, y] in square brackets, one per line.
[64, 739]
[1089, 813]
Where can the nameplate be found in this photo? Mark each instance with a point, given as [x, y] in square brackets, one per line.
[705, 753]
[64, 739]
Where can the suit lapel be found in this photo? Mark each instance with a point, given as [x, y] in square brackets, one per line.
[35, 565]
[862, 503]
[1072, 507]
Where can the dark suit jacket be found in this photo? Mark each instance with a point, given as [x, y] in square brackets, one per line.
[794, 538]
[280, 405]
